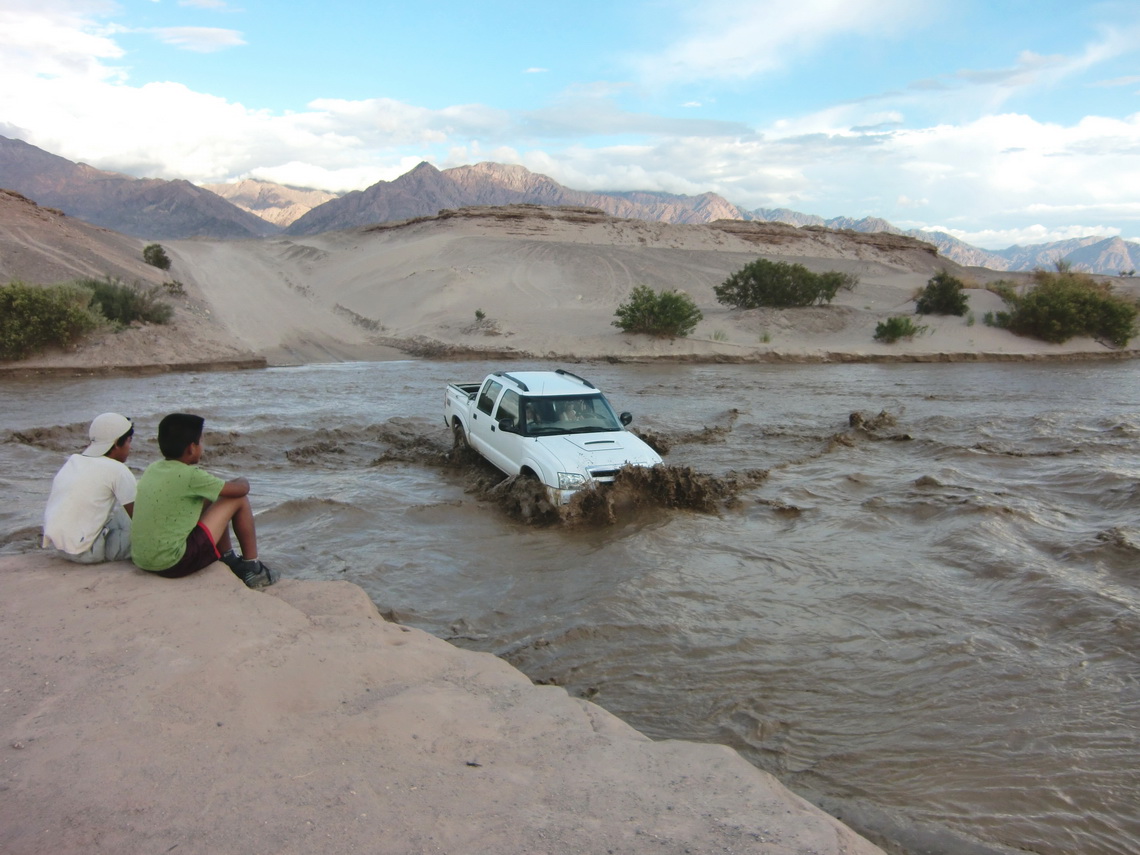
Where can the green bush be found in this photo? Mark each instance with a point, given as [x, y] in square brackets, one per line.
[1066, 304]
[780, 285]
[996, 319]
[669, 313]
[1006, 290]
[896, 327]
[33, 318]
[942, 296]
[155, 256]
[124, 304]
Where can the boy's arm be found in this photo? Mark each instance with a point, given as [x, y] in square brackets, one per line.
[234, 489]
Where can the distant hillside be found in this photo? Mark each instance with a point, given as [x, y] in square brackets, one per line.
[155, 210]
[42, 246]
[147, 208]
[1094, 254]
[275, 203]
[425, 191]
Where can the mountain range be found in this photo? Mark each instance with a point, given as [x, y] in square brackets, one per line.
[155, 209]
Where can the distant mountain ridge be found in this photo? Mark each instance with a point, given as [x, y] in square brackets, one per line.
[154, 209]
[148, 208]
[425, 191]
[274, 203]
[1093, 254]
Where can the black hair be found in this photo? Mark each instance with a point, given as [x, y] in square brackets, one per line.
[176, 432]
[122, 440]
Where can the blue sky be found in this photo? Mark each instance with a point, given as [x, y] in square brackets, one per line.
[999, 122]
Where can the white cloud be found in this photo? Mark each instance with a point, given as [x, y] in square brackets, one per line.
[1130, 80]
[199, 39]
[55, 39]
[536, 71]
[302, 174]
[728, 39]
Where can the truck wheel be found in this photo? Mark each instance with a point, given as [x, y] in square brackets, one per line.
[460, 438]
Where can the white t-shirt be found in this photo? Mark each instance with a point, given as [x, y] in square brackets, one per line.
[83, 495]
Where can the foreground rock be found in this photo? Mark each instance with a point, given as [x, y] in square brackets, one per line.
[148, 715]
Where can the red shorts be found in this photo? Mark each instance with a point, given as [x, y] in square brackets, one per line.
[201, 551]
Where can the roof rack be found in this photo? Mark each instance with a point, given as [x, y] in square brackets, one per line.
[514, 380]
[566, 373]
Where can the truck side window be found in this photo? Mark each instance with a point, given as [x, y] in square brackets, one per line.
[487, 397]
[509, 407]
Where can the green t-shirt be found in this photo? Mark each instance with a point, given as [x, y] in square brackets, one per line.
[168, 505]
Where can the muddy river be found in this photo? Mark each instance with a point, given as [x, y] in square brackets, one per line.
[910, 592]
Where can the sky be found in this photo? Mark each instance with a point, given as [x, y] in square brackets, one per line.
[1000, 122]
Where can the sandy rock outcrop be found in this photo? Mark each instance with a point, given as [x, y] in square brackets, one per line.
[142, 714]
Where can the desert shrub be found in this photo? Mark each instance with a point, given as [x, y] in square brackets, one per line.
[174, 288]
[781, 285]
[124, 304]
[1006, 290]
[33, 318]
[996, 319]
[1063, 304]
[942, 296]
[896, 327]
[668, 313]
[155, 256]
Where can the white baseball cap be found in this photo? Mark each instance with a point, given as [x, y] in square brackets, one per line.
[104, 432]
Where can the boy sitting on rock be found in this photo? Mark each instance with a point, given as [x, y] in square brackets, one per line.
[87, 518]
[183, 514]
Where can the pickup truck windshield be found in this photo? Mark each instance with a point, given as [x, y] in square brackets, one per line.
[568, 414]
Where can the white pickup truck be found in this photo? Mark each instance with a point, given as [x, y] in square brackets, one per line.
[549, 425]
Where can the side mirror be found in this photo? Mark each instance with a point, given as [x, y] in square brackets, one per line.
[507, 425]
[625, 418]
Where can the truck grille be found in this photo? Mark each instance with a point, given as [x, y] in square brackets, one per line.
[604, 476]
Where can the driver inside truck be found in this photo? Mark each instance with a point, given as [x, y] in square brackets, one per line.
[533, 418]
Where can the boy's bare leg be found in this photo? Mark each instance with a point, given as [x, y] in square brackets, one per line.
[218, 517]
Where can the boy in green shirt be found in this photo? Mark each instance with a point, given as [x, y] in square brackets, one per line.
[183, 514]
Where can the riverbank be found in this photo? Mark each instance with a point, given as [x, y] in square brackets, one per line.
[148, 715]
[516, 284]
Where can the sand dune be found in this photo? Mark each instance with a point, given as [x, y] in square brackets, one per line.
[547, 282]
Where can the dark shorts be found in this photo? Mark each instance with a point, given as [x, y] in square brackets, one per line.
[200, 552]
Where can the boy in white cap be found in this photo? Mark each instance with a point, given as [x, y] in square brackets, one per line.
[87, 518]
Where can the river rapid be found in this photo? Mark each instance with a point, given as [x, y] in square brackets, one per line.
[910, 592]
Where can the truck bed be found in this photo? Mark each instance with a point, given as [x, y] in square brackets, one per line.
[468, 389]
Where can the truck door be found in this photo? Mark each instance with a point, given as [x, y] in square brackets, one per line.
[503, 444]
[479, 433]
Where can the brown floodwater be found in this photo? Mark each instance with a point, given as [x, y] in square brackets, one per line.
[910, 592]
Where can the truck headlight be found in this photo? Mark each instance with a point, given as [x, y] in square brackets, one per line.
[570, 481]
